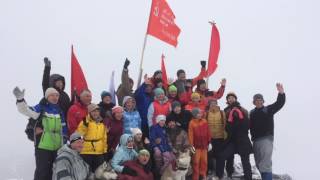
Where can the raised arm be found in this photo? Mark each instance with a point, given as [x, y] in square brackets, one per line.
[281, 99]
[22, 106]
[46, 74]
[202, 74]
[220, 92]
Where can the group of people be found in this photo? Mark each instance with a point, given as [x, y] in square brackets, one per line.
[144, 135]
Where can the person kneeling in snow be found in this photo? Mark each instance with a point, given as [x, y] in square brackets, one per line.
[69, 164]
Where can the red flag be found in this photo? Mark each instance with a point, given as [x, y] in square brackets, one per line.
[78, 81]
[164, 73]
[161, 23]
[214, 50]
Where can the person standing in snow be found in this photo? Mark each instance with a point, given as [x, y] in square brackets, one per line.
[125, 88]
[69, 164]
[206, 94]
[131, 117]
[106, 105]
[262, 131]
[48, 131]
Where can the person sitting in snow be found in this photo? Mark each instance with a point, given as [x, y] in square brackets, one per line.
[181, 116]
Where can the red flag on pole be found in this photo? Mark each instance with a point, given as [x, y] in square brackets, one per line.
[164, 72]
[78, 81]
[214, 50]
[161, 23]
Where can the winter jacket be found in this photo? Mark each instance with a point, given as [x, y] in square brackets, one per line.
[131, 120]
[106, 109]
[69, 165]
[199, 133]
[237, 128]
[180, 84]
[49, 81]
[123, 154]
[182, 119]
[95, 136]
[77, 112]
[143, 172]
[156, 131]
[143, 101]
[217, 122]
[115, 130]
[178, 139]
[157, 108]
[206, 95]
[52, 121]
[261, 119]
[124, 88]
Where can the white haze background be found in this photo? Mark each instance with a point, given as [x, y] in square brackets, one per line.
[262, 42]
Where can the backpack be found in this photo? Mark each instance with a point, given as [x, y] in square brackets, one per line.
[32, 125]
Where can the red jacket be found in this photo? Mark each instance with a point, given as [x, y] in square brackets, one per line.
[141, 173]
[159, 109]
[199, 133]
[207, 95]
[192, 105]
[76, 113]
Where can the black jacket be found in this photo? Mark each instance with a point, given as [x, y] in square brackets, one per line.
[49, 81]
[181, 119]
[238, 130]
[106, 110]
[261, 119]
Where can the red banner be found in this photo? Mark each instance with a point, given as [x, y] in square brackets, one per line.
[78, 81]
[214, 50]
[161, 23]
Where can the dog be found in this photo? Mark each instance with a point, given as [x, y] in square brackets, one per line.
[183, 163]
[105, 172]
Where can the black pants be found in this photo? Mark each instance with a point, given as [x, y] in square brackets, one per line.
[245, 164]
[94, 160]
[217, 150]
[44, 162]
[222, 154]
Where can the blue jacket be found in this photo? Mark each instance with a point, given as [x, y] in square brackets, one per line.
[143, 101]
[131, 120]
[156, 131]
[123, 154]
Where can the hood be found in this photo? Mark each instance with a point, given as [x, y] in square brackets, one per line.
[66, 149]
[55, 77]
[124, 139]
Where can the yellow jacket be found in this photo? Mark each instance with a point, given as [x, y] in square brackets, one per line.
[95, 136]
[217, 122]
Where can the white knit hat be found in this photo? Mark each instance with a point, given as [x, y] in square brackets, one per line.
[135, 131]
[50, 91]
[160, 118]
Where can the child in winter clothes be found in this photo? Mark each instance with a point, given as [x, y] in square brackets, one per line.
[163, 154]
[199, 138]
[160, 105]
[115, 130]
[95, 138]
[195, 103]
[124, 152]
[106, 105]
[48, 131]
[180, 116]
[131, 117]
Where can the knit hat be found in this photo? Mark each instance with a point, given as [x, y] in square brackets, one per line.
[195, 112]
[125, 99]
[104, 94]
[195, 95]
[231, 94]
[158, 92]
[117, 109]
[200, 81]
[74, 137]
[175, 104]
[135, 131]
[91, 107]
[172, 88]
[160, 118]
[144, 152]
[258, 96]
[50, 91]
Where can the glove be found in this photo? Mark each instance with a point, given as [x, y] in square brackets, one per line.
[47, 62]
[209, 147]
[126, 64]
[129, 171]
[193, 150]
[18, 93]
[203, 64]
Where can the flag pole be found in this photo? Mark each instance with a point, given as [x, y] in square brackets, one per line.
[208, 77]
[141, 60]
